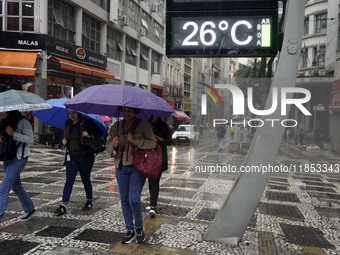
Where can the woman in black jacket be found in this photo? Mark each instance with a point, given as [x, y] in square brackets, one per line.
[163, 136]
[77, 128]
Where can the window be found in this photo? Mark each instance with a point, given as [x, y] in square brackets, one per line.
[131, 51]
[91, 33]
[320, 23]
[304, 55]
[1, 15]
[114, 47]
[338, 47]
[319, 56]
[20, 15]
[144, 61]
[155, 63]
[131, 9]
[306, 27]
[61, 21]
[101, 3]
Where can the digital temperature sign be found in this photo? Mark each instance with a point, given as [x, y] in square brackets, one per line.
[228, 33]
[190, 5]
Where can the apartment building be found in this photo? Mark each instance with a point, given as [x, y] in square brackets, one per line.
[316, 70]
[334, 107]
[56, 48]
[59, 47]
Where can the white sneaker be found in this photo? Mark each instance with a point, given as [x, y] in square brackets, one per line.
[148, 208]
[152, 213]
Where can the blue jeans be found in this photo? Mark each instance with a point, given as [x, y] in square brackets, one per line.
[130, 184]
[83, 164]
[12, 169]
[220, 142]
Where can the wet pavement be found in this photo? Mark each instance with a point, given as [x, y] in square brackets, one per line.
[298, 213]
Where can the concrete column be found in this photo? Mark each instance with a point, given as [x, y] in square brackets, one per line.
[122, 63]
[40, 88]
[79, 25]
[150, 67]
[138, 64]
[233, 218]
[103, 37]
[43, 17]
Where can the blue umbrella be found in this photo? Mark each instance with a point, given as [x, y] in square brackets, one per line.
[57, 115]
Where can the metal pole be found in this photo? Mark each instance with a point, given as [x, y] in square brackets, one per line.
[233, 218]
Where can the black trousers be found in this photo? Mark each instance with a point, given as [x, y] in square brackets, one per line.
[154, 190]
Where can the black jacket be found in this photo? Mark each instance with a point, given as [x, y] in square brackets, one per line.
[161, 129]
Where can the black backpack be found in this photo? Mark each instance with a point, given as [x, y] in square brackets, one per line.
[8, 148]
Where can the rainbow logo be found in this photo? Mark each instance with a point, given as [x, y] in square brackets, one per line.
[204, 97]
[208, 92]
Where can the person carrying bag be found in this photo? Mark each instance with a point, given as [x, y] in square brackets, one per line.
[130, 181]
[77, 158]
[19, 129]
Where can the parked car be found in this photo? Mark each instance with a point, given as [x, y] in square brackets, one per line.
[186, 133]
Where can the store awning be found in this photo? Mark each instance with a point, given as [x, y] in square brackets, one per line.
[85, 69]
[18, 62]
[74, 66]
[180, 115]
[334, 108]
[102, 73]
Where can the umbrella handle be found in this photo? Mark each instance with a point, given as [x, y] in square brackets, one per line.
[118, 120]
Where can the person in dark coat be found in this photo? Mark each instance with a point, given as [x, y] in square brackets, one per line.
[56, 138]
[77, 160]
[163, 136]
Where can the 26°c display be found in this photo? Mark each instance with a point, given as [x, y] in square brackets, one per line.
[222, 34]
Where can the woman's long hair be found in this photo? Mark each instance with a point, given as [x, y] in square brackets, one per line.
[11, 120]
[69, 126]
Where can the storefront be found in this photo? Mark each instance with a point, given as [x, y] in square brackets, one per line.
[48, 67]
[68, 68]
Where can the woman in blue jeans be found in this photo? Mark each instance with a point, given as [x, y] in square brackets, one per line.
[15, 125]
[77, 127]
[120, 144]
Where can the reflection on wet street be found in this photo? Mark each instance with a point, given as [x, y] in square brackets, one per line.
[192, 191]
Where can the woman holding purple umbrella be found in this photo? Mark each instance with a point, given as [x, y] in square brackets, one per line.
[120, 143]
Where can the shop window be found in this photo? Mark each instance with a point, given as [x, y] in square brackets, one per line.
[320, 23]
[91, 33]
[20, 15]
[61, 20]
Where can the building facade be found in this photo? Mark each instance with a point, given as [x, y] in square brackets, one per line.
[334, 108]
[56, 48]
[316, 70]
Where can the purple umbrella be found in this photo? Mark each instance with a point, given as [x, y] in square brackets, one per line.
[106, 100]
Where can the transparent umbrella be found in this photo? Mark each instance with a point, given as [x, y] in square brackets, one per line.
[22, 101]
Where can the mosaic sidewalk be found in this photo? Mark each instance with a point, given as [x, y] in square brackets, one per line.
[289, 219]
